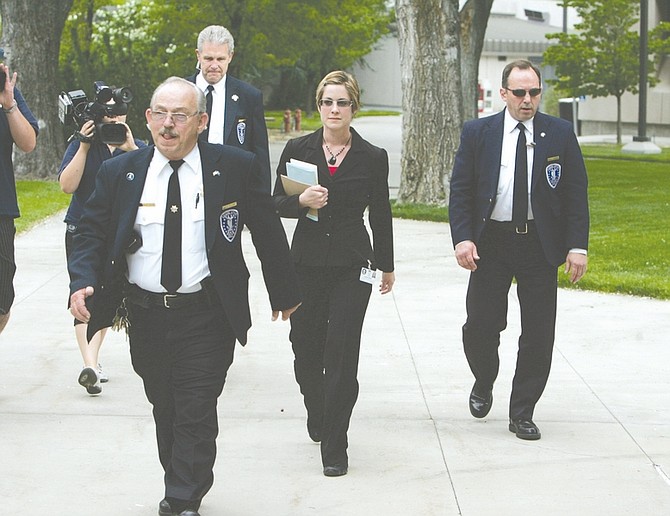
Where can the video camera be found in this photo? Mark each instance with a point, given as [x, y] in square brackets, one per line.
[73, 105]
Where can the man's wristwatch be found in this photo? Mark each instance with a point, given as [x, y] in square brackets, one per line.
[11, 109]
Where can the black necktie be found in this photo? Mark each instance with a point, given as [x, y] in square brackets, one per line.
[208, 97]
[171, 267]
[520, 203]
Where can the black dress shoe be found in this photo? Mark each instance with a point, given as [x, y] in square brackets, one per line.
[336, 470]
[480, 401]
[164, 508]
[525, 429]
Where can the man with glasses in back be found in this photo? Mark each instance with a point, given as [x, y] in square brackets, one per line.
[159, 248]
[518, 209]
[235, 108]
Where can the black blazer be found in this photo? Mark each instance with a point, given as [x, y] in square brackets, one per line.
[340, 237]
[558, 184]
[244, 124]
[231, 181]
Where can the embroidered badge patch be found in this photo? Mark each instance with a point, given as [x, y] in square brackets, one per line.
[553, 172]
[229, 223]
[241, 130]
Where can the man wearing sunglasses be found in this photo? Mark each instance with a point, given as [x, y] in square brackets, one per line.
[518, 209]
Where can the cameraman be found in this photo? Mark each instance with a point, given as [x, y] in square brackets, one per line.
[17, 126]
[80, 165]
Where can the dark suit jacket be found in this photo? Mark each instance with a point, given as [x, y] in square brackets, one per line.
[244, 111]
[340, 238]
[230, 181]
[561, 212]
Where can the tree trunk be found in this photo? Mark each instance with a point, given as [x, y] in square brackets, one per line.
[428, 33]
[474, 18]
[31, 33]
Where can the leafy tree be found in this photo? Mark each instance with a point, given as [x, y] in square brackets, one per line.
[306, 40]
[602, 59]
[128, 43]
[31, 31]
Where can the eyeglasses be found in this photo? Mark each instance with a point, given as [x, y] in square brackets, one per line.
[177, 118]
[533, 92]
[341, 103]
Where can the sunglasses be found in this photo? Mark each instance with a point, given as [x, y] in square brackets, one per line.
[533, 92]
[340, 103]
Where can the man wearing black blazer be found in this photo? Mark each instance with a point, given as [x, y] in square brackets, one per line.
[235, 107]
[549, 227]
[182, 331]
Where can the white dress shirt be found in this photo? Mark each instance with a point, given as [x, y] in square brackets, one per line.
[502, 210]
[215, 125]
[144, 266]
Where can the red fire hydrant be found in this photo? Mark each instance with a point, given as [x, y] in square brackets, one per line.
[287, 121]
[298, 119]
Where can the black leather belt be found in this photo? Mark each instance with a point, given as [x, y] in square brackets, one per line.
[519, 229]
[146, 299]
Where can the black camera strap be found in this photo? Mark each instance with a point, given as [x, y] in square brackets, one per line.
[77, 135]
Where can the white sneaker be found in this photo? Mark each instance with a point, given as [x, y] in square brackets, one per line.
[102, 375]
[88, 378]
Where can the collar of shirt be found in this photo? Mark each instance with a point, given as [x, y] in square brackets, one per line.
[502, 209]
[511, 123]
[217, 120]
[219, 87]
[145, 264]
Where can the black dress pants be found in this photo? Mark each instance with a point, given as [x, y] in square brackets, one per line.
[326, 338]
[183, 356]
[505, 255]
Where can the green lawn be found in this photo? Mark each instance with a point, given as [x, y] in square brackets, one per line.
[613, 151]
[38, 200]
[630, 211]
[630, 214]
[629, 200]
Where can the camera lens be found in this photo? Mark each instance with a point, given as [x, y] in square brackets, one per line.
[123, 95]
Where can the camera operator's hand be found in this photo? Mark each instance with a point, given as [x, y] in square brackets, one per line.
[70, 176]
[87, 131]
[129, 144]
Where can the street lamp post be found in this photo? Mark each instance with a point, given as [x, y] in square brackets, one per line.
[641, 143]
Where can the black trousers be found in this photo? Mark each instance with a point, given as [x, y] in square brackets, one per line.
[505, 255]
[7, 264]
[183, 356]
[326, 338]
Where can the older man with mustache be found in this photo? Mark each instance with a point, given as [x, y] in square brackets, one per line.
[160, 249]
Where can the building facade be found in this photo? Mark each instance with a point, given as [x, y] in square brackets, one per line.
[517, 29]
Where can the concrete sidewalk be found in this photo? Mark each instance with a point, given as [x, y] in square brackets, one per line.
[414, 448]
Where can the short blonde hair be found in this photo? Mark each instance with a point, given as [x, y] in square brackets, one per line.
[345, 79]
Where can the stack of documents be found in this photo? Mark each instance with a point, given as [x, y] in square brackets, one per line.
[300, 175]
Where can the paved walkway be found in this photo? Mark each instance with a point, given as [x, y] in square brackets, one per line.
[414, 448]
